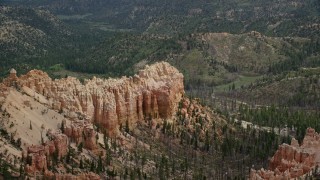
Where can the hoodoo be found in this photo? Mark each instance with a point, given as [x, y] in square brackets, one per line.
[153, 93]
[293, 161]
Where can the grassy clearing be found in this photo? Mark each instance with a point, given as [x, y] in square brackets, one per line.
[241, 81]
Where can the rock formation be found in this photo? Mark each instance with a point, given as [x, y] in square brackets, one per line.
[38, 159]
[37, 154]
[292, 161]
[154, 92]
[82, 132]
[199, 119]
[12, 79]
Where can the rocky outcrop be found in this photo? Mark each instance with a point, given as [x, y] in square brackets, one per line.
[37, 154]
[38, 159]
[60, 143]
[199, 119]
[293, 161]
[154, 92]
[12, 79]
[82, 132]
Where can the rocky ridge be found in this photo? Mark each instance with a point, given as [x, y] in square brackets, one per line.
[292, 161]
[154, 92]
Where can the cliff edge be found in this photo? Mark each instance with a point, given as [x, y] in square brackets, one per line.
[152, 93]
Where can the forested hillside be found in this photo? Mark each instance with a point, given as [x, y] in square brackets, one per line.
[218, 45]
[273, 18]
[35, 38]
[162, 30]
[215, 44]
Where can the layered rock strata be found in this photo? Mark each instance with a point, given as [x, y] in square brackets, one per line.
[154, 93]
[292, 161]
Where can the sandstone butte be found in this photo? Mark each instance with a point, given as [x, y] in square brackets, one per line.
[152, 93]
[293, 161]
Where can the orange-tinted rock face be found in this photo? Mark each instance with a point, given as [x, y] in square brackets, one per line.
[37, 154]
[82, 132]
[36, 159]
[61, 144]
[154, 92]
[292, 161]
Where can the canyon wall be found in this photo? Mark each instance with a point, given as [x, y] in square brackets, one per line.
[153, 93]
[292, 161]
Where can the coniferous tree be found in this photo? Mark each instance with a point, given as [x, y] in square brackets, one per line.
[81, 164]
[80, 147]
[92, 166]
[62, 126]
[127, 126]
[100, 165]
